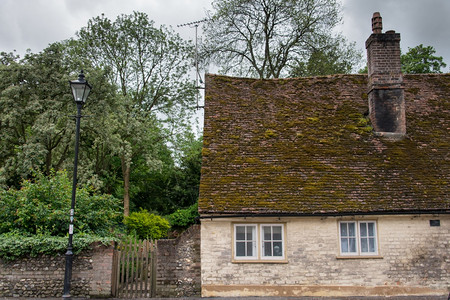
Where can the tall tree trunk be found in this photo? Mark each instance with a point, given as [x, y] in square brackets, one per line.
[48, 162]
[126, 169]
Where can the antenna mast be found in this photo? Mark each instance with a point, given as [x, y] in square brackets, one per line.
[197, 72]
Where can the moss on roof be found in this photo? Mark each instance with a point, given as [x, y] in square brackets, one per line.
[305, 146]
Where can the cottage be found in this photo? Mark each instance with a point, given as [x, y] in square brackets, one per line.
[327, 186]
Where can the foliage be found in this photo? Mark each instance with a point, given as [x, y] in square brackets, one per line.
[14, 245]
[420, 59]
[124, 141]
[146, 225]
[149, 66]
[265, 38]
[363, 70]
[175, 184]
[42, 207]
[186, 177]
[183, 218]
[135, 137]
[36, 130]
[339, 57]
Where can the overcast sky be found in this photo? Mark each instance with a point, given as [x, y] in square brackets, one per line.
[33, 24]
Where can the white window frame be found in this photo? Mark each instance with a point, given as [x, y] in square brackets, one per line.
[254, 240]
[258, 253]
[271, 241]
[358, 238]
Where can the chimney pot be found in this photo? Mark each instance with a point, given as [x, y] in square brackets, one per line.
[377, 23]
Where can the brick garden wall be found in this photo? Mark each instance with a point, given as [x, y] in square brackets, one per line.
[43, 276]
[178, 271]
[178, 265]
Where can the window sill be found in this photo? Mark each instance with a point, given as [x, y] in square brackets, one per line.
[259, 261]
[359, 257]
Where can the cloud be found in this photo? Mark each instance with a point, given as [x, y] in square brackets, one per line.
[36, 23]
[418, 22]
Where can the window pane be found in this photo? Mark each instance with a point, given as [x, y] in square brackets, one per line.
[351, 229]
[240, 248]
[344, 229]
[267, 248]
[277, 249]
[371, 229]
[363, 229]
[245, 240]
[372, 245]
[344, 245]
[250, 232]
[267, 233]
[249, 248]
[240, 233]
[364, 246]
[352, 244]
[277, 233]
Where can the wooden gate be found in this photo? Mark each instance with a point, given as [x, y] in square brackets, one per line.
[134, 271]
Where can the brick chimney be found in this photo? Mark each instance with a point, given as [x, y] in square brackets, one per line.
[386, 96]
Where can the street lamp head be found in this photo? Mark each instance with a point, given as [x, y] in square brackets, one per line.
[80, 89]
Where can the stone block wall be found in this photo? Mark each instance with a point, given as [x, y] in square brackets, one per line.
[43, 276]
[178, 265]
[413, 260]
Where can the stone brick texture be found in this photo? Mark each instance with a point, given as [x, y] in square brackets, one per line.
[178, 265]
[43, 276]
[386, 96]
[413, 258]
[383, 59]
[178, 271]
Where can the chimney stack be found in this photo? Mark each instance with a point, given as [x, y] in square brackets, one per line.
[386, 95]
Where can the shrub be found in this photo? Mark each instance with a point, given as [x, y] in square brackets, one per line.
[183, 218]
[14, 245]
[42, 207]
[146, 225]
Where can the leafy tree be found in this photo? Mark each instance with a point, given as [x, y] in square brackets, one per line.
[420, 59]
[186, 176]
[175, 185]
[265, 38]
[363, 70]
[36, 127]
[339, 57]
[34, 113]
[149, 65]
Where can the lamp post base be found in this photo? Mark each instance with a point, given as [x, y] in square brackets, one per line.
[68, 274]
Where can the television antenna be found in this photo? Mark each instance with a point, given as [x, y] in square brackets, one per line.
[198, 79]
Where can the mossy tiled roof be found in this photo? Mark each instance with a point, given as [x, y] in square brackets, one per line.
[305, 146]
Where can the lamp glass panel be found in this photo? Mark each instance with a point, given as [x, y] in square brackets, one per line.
[80, 92]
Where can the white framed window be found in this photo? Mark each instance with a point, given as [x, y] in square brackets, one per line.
[272, 241]
[245, 241]
[264, 242]
[358, 238]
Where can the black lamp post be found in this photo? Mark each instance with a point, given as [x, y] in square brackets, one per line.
[80, 91]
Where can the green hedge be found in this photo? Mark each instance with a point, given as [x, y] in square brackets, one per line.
[183, 218]
[14, 245]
